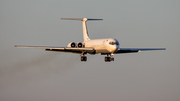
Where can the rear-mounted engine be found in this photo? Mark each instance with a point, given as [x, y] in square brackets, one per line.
[73, 44]
[80, 45]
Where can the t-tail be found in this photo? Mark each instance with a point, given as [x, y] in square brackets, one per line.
[84, 26]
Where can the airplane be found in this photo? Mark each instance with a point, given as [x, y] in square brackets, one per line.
[108, 46]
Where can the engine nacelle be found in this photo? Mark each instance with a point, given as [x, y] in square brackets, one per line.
[72, 44]
[80, 45]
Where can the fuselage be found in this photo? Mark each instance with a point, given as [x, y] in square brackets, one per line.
[109, 45]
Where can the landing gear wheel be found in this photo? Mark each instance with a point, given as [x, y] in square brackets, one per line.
[112, 59]
[83, 58]
[107, 59]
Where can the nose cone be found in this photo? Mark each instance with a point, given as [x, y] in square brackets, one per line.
[117, 46]
[114, 48]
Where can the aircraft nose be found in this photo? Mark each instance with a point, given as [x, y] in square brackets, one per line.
[116, 48]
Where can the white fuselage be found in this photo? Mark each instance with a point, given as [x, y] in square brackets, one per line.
[103, 45]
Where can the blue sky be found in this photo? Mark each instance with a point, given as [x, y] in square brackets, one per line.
[35, 74]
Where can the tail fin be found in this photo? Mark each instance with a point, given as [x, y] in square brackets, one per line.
[84, 26]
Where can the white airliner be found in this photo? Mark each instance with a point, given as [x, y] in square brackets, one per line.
[109, 46]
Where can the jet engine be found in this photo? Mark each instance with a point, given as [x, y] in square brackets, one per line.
[73, 44]
[80, 45]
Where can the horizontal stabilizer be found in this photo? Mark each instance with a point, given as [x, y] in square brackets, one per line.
[81, 19]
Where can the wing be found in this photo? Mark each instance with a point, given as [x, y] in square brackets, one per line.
[61, 49]
[132, 50]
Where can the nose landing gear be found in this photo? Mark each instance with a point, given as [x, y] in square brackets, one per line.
[109, 58]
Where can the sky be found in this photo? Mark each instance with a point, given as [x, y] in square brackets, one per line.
[38, 75]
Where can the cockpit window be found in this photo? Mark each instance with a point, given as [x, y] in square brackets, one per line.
[114, 43]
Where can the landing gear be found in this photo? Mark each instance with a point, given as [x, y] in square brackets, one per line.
[112, 59]
[83, 58]
[109, 58]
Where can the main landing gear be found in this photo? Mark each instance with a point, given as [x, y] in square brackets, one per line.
[83, 57]
[109, 58]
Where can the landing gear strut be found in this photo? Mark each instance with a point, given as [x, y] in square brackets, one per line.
[109, 58]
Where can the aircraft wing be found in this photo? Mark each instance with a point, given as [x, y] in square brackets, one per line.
[132, 50]
[60, 49]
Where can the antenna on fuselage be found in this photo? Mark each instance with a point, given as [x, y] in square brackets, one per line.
[84, 26]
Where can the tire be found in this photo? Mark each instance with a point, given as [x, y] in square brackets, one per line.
[85, 58]
[82, 59]
[109, 59]
[105, 59]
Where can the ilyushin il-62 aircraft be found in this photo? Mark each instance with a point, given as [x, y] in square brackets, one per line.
[108, 46]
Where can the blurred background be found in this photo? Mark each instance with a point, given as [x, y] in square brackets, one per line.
[38, 75]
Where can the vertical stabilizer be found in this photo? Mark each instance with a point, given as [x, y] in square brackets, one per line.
[84, 26]
[85, 31]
